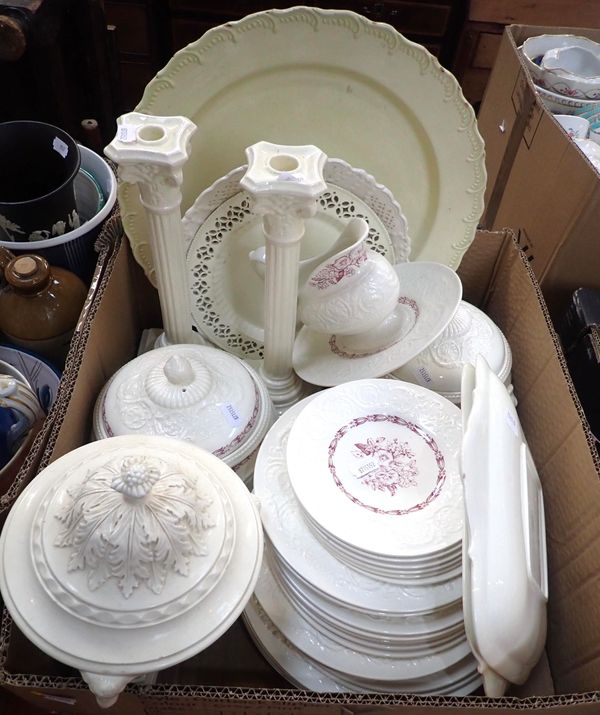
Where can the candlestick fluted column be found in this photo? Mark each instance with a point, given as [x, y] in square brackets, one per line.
[151, 151]
[284, 182]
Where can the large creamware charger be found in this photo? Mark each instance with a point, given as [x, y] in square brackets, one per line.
[357, 89]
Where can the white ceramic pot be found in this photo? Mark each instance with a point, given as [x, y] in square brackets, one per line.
[196, 393]
[129, 555]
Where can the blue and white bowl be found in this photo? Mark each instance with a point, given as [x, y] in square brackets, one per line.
[41, 376]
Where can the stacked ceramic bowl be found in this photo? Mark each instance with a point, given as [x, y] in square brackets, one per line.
[361, 502]
[566, 71]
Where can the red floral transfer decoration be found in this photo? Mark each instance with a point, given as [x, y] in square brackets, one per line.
[396, 464]
[394, 467]
[337, 270]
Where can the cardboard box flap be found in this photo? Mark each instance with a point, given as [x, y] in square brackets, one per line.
[539, 182]
[564, 453]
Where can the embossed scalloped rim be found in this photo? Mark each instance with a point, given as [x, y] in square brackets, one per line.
[127, 619]
[289, 535]
[234, 31]
[303, 672]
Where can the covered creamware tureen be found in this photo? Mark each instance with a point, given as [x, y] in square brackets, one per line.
[129, 555]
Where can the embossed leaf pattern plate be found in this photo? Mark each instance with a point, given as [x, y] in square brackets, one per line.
[357, 89]
[375, 463]
[290, 536]
[221, 229]
[429, 296]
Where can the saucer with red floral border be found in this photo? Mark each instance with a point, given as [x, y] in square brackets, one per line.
[429, 296]
[376, 464]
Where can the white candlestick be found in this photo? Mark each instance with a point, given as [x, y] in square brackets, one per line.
[284, 182]
[151, 152]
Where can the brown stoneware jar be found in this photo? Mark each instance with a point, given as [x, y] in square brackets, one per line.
[40, 306]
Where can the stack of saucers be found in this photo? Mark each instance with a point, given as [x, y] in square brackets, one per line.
[362, 508]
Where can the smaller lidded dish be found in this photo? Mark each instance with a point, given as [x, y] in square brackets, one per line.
[195, 393]
[351, 292]
[470, 333]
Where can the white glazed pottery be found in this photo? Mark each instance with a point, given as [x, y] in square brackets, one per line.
[284, 182]
[40, 375]
[573, 71]
[576, 127]
[388, 628]
[354, 290]
[320, 647]
[129, 555]
[19, 396]
[421, 315]
[195, 393]
[561, 104]
[411, 608]
[505, 589]
[340, 175]
[591, 150]
[535, 48]
[376, 99]
[151, 152]
[8, 369]
[307, 674]
[375, 464]
[470, 333]
[221, 230]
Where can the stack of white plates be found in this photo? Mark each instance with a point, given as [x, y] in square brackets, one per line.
[360, 589]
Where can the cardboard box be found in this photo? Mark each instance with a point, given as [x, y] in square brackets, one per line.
[13, 483]
[539, 183]
[232, 676]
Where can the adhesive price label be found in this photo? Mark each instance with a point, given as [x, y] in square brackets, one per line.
[59, 146]
[127, 133]
[422, 375]
[231, 414]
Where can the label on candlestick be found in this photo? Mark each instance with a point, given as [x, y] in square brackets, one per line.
[127, 133]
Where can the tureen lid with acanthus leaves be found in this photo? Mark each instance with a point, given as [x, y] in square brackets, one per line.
[128, 555]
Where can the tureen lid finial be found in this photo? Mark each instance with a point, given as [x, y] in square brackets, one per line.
[178, 370]
[180, 382]
[136, 478]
